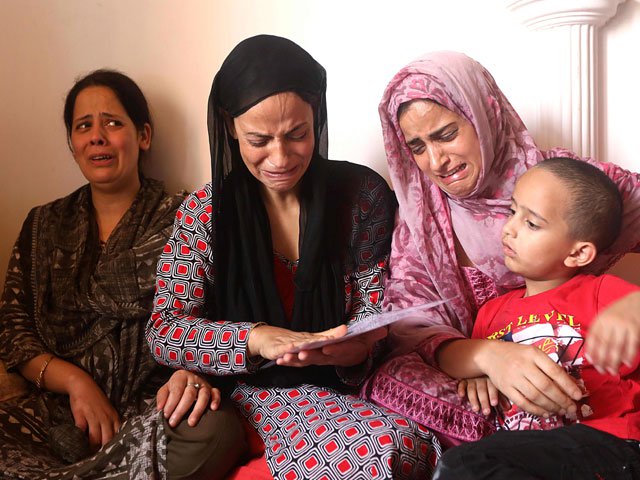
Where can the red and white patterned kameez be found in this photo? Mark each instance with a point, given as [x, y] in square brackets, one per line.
[308, 431]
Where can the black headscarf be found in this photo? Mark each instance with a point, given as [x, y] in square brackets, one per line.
[245, 289]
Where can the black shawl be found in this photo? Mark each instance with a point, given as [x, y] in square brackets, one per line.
[245, 289]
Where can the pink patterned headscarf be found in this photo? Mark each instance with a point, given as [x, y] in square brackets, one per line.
[424, 265]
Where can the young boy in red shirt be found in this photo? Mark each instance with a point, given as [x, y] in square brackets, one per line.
[563, 212]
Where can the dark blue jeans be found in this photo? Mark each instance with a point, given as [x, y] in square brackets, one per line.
[575, 452]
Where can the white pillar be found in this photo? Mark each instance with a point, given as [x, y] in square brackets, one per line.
[568, 36]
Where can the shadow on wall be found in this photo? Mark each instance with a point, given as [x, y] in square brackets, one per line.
[614, 115]
[628, 268]
[172, 158]
[548, 133]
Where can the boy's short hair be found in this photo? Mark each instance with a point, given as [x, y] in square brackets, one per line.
[595, 210]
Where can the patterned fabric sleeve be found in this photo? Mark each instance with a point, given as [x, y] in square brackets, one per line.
[365, 284]
[364, 291]
[363, 295]
[177, 332]
[18, 338]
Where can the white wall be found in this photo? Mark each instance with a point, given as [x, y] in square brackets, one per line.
[620, 102]
[621, 93]
[173, 49]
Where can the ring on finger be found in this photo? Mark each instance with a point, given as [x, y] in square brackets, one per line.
[194, 384]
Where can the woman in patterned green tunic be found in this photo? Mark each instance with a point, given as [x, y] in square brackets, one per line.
[78, 292]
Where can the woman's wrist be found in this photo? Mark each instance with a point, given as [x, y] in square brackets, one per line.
[354, 375]
[65, 377]
[39, 381]
[253, 342]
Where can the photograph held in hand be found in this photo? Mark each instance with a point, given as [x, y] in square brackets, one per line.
[367, 325]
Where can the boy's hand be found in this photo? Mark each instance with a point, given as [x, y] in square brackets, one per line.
[614, 336]
[530, 379]
[481, 393]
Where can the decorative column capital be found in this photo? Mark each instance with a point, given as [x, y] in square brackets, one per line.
[541, 14]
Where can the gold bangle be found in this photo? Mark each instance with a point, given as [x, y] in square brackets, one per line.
[40, 380]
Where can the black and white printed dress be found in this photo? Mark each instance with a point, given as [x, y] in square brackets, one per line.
[309, 431]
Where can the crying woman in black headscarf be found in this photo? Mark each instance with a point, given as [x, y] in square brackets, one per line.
[282, 248]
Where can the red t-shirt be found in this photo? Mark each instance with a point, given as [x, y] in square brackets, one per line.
[556, 322]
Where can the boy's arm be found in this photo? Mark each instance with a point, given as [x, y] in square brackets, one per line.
[523, 373]
[614, 336]
[470, 358]
[461, 358]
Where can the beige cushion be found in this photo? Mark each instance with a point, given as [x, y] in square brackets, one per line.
[11, 384]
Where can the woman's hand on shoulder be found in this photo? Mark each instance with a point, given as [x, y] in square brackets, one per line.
[183, 391]
[529, 378]
[614, 335]
[92, 411]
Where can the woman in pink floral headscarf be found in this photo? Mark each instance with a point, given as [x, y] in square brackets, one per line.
[455, 148]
